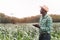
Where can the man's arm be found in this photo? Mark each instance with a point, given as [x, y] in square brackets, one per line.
[49, 23]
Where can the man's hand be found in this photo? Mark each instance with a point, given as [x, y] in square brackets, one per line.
[36, 25]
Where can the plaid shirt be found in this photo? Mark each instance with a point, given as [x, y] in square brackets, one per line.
[45, 23]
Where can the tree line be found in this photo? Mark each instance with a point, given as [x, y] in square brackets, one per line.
[33, 19]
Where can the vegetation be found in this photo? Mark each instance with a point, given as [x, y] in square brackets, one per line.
[33, 19]
[25, 32]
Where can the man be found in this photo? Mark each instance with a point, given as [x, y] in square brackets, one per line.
[45, 24]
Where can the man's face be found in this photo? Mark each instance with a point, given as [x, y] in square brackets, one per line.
[42, 11]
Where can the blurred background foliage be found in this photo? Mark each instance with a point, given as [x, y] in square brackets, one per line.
[33, 19]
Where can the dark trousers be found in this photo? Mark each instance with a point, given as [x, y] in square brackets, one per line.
[44, 36]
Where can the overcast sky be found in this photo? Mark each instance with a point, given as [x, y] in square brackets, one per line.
[25, 8]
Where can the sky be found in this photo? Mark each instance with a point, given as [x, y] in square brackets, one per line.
[26, 8]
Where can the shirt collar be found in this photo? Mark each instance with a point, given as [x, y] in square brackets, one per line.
[45, 16]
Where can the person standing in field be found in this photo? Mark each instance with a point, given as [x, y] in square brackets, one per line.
[45, 24]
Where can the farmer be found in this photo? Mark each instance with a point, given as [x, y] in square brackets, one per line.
[45, 24]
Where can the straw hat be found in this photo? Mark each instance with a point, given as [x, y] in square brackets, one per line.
[45, 8]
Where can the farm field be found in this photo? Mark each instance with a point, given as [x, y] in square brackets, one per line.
[25, 31]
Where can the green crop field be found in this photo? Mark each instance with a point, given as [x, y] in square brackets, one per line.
[25, 31]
